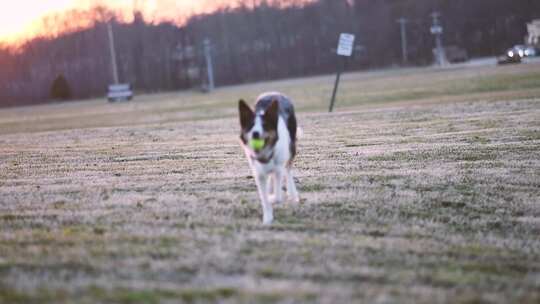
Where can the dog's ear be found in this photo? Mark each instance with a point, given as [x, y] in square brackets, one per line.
[271, 115]
[246, 114]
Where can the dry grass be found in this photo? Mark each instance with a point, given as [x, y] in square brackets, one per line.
[407, 198]
[311, 95]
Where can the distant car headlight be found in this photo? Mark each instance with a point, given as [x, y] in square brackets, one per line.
[521, 53]
[510, 54]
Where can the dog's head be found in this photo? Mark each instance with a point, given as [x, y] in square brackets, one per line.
[259, 130]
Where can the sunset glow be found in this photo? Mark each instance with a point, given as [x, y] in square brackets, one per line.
[23, 19]
[18, 18]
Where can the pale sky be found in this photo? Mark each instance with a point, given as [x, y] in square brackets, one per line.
[20, 18]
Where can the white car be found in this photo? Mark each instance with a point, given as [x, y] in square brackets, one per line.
[523, 51]
[530, 51]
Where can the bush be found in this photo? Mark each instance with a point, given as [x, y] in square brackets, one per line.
[60, 89]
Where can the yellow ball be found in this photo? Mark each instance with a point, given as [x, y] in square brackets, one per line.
[256, 144]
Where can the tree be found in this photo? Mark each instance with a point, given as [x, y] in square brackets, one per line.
[252, 41]
[60, 89]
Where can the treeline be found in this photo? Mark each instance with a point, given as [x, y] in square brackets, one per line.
[269, 41]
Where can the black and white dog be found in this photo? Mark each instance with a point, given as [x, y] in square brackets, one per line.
[269, 140]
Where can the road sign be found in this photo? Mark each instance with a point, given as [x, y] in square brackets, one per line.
[346, 44]
[345, 48]
[436, 29]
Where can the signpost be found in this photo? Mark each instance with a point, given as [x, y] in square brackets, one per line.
[117, 91]
[437, 30]
[345, 49]
[403, 25]
[209, 64]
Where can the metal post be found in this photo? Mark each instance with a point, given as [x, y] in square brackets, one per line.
[340, 67]
[209, 63]
[113, 53]
[403, 24]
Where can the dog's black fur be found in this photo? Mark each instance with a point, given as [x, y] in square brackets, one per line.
[268, 107]
[274, 122]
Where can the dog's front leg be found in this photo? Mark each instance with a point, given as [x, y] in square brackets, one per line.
[270, 188]
[277, 195]
[292, 193]
[262, 186]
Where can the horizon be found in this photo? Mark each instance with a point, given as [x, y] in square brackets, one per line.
[27, 19]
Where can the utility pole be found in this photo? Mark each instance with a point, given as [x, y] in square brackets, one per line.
[403, 25]
[113, 53]
[437, 31]
[209, 63]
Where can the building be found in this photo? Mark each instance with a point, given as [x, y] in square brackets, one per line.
[534, 33]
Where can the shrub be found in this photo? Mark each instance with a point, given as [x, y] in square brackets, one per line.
[60, 89]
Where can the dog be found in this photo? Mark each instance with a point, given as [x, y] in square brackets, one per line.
[272, 125]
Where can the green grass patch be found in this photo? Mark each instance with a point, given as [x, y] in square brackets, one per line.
[455, 87]
[312, 187]
[155, 296]
[503, 83]
[12, 296]
[186, 295]
[530, 134]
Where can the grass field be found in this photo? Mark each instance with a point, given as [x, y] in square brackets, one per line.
[424, 187]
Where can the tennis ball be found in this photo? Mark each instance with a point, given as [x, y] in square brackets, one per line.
[256, 144]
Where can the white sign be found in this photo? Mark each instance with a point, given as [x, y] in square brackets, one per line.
[346, 44]
[436, 29]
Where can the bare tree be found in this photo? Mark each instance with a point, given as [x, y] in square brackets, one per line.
[253, 40]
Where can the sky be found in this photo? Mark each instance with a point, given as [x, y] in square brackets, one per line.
[20, 19]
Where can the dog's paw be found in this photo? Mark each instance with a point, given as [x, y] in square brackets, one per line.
[267, 219]
[274, 200]
[294, 198]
